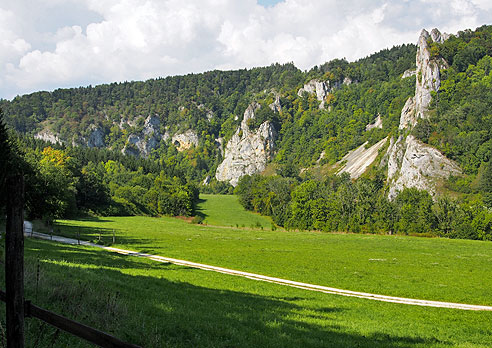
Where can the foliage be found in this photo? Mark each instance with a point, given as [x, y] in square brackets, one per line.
[5, 160]
[212, 105]
[338, 204]
[62, 182]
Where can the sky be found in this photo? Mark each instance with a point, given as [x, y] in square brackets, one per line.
[49, 44]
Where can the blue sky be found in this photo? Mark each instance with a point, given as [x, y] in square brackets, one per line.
[48, 44]
[267, 3]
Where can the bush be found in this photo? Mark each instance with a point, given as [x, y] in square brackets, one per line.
[198, 220]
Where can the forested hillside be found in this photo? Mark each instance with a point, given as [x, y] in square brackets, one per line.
[143, 144]
[68, 182]
[211, 104]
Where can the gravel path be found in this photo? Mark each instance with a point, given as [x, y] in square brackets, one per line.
[305, 286]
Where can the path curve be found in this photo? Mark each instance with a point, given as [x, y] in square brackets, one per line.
[259, 277]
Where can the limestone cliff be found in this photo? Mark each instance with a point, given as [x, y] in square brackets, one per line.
[142, 143]
[358, 160]
[247, 152]
[184, 141]
[412, 163]
[320, 88]
[96, 137]
[48, 136]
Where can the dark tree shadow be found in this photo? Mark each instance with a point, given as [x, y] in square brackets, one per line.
[157, 312]
[199, 211]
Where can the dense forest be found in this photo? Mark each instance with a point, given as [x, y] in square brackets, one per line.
[459, 126]
[74, 181]
[212, 105]
[300, 188]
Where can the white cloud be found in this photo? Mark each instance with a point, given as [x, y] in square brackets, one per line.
[98, 41]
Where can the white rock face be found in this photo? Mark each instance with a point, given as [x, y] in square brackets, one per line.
[276, 106]
[347, 81]
[184, 141]
[421, 166]
[96, 138]
[378, 123]
[220, 144]
[49, 136]
[412, 163]
[408, 73]
[428, 76]
[247, 152]
[320, 88]
[408, 117]
[143, 143]
[359, 159]
[152, 125]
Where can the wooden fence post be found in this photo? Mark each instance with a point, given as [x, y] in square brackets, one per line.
[14, 262]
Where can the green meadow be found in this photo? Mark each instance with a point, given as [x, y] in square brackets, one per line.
[225, 210]
[163, 305]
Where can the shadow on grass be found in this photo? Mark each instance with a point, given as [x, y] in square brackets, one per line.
[100, 235]
[199, 211]
[156, 312]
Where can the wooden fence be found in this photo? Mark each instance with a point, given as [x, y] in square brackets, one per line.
[17, 308]
[85, 332]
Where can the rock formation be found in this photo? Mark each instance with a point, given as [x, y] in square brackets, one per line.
[378, 123]
[408, 73]
[320, 88]
[276, 106]
[410, 162]
[358, 160]
[184, 141]
[96, 137]
[49, 136]
[414, 164]
[247, 152]
[142, 144]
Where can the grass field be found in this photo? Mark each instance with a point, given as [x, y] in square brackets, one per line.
[159, 305]
[225, 210]
[432, 269]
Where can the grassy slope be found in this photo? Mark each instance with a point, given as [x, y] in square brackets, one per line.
[159, 305]
[434, 269]
[225, 210]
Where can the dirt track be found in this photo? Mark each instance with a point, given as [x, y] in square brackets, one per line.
[305, 286]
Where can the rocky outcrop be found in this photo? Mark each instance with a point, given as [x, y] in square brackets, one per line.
[184, 141]
[415, 164]
[276, 106]
[412, 163]
[409, 73]
[247, 152]
[428, 79]
[96, 137]
[142, 143]
[220, 144]
[320, 88]
[378, 123]
[357, 161]
[428, 76]
[408, 117]
[48, 136]
[347, 81]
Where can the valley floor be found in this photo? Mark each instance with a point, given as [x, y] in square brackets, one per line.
[166, 305]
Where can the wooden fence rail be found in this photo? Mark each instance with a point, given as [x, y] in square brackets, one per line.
[85, 332]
